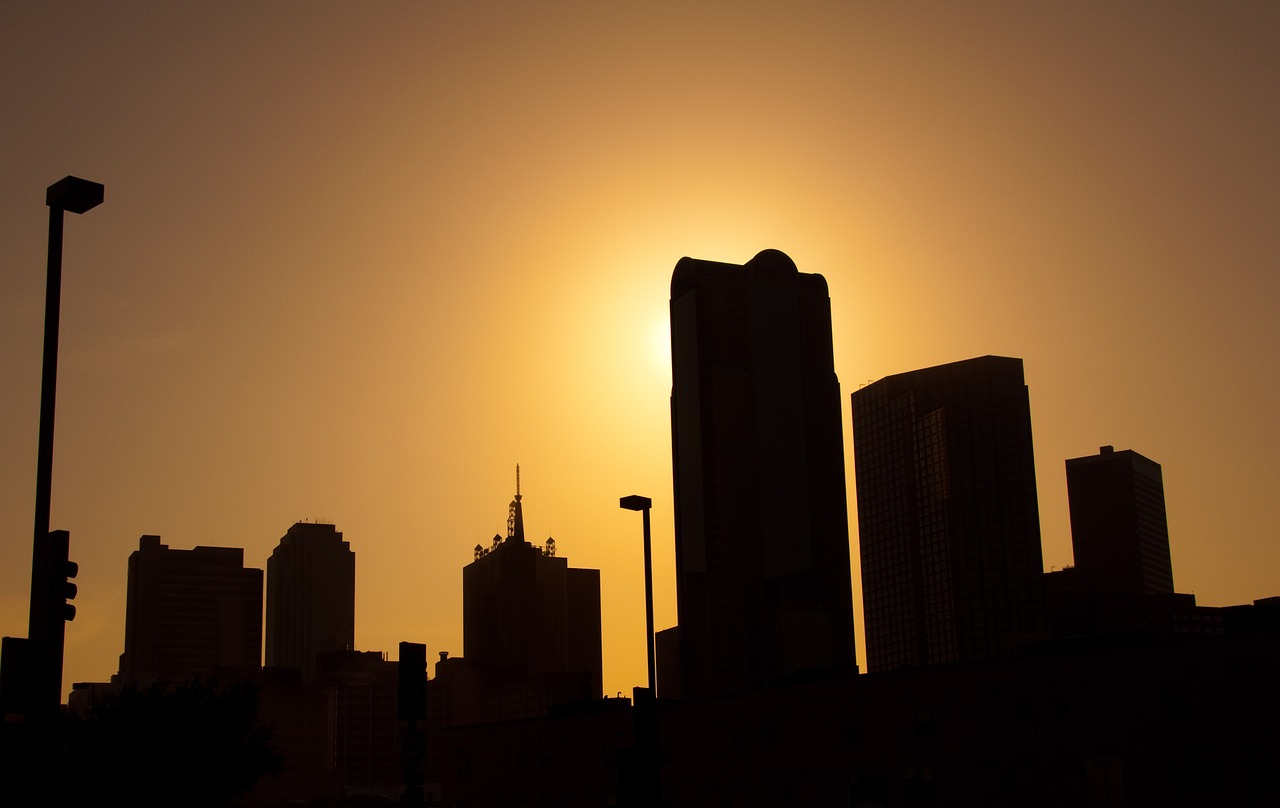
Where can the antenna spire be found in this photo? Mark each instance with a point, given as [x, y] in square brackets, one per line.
[515, 514]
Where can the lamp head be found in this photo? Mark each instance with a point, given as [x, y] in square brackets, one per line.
[74, 194]
[635, 502]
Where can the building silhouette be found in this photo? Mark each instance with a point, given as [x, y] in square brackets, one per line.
[360, 730]
[531, 630]
[1179, 721]
[190, 613]
[1122, 580]
[947, 514]
[311, 597]
[761, 522]
[1119, 532]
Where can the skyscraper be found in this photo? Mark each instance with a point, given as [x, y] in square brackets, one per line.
[311, 597]
[1119, 533]
[531, 626]
[762, 531]
[948, 520]
[190, 613]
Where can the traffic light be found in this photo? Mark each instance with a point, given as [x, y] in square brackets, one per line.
[69, 570]
[51, 588]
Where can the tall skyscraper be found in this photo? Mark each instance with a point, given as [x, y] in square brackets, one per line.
[311, 597]
[948, 520]
[190, 613]
[1119, 532]
[531, 626]
[762, 530]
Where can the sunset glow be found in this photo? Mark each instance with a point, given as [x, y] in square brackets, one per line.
[357, 261]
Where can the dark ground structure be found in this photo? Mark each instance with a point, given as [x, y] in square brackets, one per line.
[1128, 720]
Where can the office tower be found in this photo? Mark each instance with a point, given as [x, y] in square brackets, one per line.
[311, 597]
[1119, 533]
[761, 522]
[190, 613]
[948, 520]
[530, 623]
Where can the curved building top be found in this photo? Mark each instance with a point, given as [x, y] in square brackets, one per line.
[767, 264]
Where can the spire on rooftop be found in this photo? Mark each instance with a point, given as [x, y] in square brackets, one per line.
[515, 515]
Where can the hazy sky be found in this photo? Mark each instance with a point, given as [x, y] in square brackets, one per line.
[357, 260]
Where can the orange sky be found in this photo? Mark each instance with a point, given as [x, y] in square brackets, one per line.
[358, 260]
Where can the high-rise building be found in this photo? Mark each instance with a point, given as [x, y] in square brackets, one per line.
[761, 520]
[1119, 533]
[948, 520]
[531, 628]
[311, 597]
[190, 613]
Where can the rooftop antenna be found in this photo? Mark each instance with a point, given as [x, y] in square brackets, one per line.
[515, 514]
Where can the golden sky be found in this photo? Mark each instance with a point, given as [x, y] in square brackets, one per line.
[357, 260]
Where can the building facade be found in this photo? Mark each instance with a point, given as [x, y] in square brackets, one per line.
[531, 630]
[190, 613]
[311, 597]
[948, 519]
[1119, 531]
[762, 533]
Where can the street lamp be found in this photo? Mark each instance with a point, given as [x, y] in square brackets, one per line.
[49, 566]
[635, 502]
[648, 788]
[77, 196]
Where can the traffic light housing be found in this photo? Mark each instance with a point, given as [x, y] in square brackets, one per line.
[51, 591]
[69, 570]
[51, 588]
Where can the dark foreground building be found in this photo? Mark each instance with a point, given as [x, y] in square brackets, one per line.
[762, 532]
[338, 736]
[948, 520]
[1145, 722]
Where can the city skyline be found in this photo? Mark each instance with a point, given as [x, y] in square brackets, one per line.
[357, 278]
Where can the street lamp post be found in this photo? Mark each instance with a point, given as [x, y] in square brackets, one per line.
[49, 565]
[636, 502]
[648, 790]
[77, 196]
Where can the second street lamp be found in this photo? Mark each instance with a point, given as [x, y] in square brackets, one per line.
[635, 502]
[648, 788]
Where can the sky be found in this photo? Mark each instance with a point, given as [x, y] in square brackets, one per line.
[358, 260]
